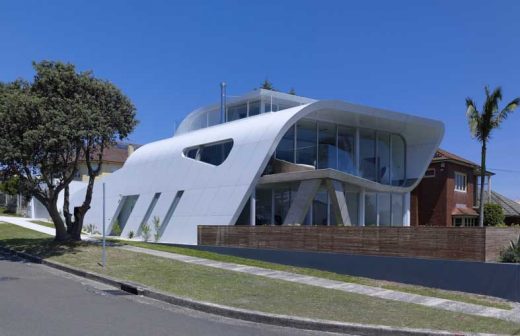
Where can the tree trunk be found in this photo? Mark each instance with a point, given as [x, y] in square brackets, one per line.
[61, 231]
[66, 210]
[482, 180]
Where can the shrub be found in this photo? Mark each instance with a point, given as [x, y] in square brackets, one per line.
[157, 226]
[493, 215]
[116, 229]
[145, 232]
[512, 253]
[131, 234]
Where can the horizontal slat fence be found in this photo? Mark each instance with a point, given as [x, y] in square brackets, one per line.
[455, 243]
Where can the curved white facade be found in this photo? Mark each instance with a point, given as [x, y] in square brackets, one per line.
[196, 193]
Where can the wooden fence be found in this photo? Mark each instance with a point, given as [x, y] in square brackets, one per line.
[455, 243]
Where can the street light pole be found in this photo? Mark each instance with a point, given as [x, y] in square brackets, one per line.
[104, 253]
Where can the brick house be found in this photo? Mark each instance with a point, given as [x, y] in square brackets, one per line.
[447, 195]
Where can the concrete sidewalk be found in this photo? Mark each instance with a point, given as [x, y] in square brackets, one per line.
[26, 223]
[450, 305]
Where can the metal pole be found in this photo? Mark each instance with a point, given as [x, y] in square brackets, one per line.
[104, 253]
[223, 116]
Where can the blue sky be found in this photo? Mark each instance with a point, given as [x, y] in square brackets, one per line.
[419, 57]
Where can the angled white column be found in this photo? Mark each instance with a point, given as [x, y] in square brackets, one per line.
[338, 202]
[299, 206]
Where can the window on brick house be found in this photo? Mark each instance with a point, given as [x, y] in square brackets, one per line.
[460, 182]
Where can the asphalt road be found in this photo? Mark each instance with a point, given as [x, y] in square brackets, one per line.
[38, 300]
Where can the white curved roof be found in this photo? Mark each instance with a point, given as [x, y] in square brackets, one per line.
[215, 195]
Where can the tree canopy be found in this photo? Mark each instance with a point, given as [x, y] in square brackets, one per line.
[51, 123]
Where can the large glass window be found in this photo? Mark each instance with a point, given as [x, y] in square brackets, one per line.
[254, 108]
[347, 149]
[327, 150]
[398, 160]
[306, 142]
[124, 211]
[213, 117]
[282, 203]
[263, 206]
[397, 210]
[383, 157]
[236, 112]
[367, 154]
[370, 209]
[352, 199]
[170, 211]
[285, 149]
[320, 208]
[214, 154]
[149, 211]
[384, 208]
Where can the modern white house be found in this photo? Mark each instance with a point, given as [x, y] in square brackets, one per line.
[270, 158]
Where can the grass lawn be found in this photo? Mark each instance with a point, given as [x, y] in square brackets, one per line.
[44, 223]
[247, 291]
[439, 293]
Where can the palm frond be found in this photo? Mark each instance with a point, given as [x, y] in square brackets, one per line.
[473, 117]
[506, 111]
[491, 103]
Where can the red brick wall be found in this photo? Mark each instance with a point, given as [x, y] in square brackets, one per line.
[433, 200]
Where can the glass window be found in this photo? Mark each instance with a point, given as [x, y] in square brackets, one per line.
[320, 208]
[170, 211]
[383, 158]
[398, 160]
[384, 207]
[125, 210]
[214, 154]
[367, 155]
[370, 209]
[397, 210]
[263, 206]
[460, 182]
[285, 149]
[245, 216]
[213, 117]
[149, 212]
[282, 203]
[347, 150]
[327, 150]
[236, 112]
[306, 142]
[352, 199]
[254, 108]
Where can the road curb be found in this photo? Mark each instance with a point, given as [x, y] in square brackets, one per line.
[237, 313]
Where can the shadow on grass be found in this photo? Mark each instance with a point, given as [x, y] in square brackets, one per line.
[42, 247]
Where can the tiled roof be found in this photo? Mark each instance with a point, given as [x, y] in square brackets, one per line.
[441, 155]
[463, 212]
[117, 154]
[511, 208]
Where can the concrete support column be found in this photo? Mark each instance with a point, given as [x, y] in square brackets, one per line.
[361, 210]
[252, 208]
[301, 203]
[338, 202]
[406, 209]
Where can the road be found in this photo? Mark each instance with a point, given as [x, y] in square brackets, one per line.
[38, 300]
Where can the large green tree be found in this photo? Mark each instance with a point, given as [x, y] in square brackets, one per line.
[481, 125]
[51, 123]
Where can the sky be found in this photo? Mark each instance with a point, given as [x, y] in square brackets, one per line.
[417, 57]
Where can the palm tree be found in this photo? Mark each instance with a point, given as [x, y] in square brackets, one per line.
[481, 124]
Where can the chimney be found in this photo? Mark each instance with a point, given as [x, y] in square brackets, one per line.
[130, 149]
